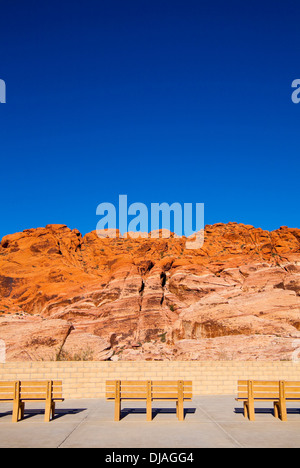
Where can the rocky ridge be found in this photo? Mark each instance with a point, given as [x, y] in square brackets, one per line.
[65, 296]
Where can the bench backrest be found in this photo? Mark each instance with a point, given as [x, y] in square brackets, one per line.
[258, 389]
[170, 389]
[41, 390]
[291, 390]
[154, 389]
[264, 389]
[7, 390]
[31, 390]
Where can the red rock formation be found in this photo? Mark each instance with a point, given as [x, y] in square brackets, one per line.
[65, 296]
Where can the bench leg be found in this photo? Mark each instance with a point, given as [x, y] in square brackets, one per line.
[249, 410]
[117, 400]
[282, 401]
[282, 410]
[180, 410]
[149, 400]
[117, 409]
[48, 410]
[16, 404]
[246, 415]
[52, 410]
[250, 401]
[276, 409]
[16, 411]
[22, 410]
[149, 410]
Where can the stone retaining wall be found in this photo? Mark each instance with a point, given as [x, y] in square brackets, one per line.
[87, 379]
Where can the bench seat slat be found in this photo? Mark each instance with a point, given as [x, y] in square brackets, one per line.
[37, 383]
[292, 383]
[171, 399]
[6, 390]
[8, 383]
[258, 399]
[260, 395]
[160, 396]
[133, 395]
[259, 385]
[265, 382]
[169, 395]
[165, 395]
[135, 388]
[39, 399]
[39, 395]
[6, 396]
[171, 382]
[266, 389]
[289, 396]
[127, 382]
[163, 388]
[264, 396]
[292, 390]
[41, 390]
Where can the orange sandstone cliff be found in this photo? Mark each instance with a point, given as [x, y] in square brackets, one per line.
[64, 296]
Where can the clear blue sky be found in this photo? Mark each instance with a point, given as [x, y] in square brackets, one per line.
[162, 100]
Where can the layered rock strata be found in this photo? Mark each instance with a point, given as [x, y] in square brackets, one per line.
[64, 296]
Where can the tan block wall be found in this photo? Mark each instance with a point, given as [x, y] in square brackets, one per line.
[87, 379]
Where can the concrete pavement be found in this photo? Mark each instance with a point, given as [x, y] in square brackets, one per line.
[210, 422]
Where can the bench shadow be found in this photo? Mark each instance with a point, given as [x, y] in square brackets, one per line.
[268, 411]
[59, 413]
[155, 411]
[5, 413]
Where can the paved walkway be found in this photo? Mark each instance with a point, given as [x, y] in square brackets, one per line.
[210, 422]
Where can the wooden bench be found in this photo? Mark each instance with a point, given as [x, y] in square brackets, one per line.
[160, 390]
[20, 392]
[278, 392]
[8, 393]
